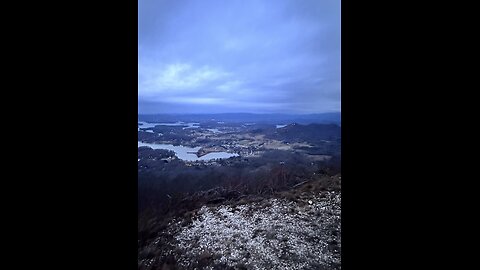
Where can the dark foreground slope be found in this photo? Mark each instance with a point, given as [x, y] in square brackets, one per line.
[295, 229]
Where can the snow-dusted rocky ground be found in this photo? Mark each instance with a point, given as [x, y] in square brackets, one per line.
[275, 233]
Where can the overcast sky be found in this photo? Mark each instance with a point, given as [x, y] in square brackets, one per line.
[238, 56]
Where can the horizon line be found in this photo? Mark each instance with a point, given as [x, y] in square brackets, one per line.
[239, 113]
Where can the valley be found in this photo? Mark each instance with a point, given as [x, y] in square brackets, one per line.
[215, 179]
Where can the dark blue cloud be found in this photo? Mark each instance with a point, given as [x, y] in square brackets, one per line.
[251, 56]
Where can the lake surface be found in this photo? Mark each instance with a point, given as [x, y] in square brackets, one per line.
[147, 125]
[152, 125]
[187, 153]
[214, 130]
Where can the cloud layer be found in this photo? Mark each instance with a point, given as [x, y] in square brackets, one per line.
[238, 56]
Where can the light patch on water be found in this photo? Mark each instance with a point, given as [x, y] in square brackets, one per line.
[214, 130]
[145, 125]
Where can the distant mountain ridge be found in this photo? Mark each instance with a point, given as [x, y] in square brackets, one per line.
[310, 132]
[320, 118]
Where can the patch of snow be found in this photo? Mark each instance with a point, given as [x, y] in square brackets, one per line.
[261, 237]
